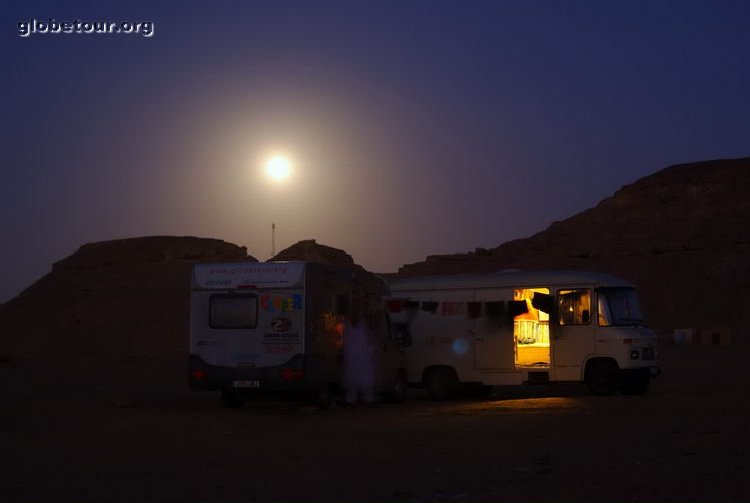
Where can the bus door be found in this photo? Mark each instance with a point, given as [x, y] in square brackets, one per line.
[573, 337]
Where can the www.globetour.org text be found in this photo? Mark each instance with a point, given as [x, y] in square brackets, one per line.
[34, 26]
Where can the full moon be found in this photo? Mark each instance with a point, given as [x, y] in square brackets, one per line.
[278, 168]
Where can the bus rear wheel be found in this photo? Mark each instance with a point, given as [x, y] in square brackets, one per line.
[442, 383]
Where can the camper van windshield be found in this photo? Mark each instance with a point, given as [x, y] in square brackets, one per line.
[619, 307]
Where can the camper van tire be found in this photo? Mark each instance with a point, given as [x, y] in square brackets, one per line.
[441, 382]
[232, 399]
[324, 397]
[602, 376]
[398, 390]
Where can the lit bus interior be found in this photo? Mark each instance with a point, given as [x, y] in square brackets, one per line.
[531, 331]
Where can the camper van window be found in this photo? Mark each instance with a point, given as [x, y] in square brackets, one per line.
[619, 307]
[233, 311]
[574, 306]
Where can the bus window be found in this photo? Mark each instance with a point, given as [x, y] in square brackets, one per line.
[574, 307]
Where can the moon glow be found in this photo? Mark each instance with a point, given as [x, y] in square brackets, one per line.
[278, 168]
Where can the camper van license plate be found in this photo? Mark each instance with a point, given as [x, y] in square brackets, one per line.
[246, 384]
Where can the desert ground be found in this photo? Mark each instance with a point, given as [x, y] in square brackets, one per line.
[137, 433]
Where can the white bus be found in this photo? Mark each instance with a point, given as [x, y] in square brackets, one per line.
[516, 327]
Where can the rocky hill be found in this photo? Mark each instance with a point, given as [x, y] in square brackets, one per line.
[116, 313]
[682, 235]
[110, 307]
[309, 250]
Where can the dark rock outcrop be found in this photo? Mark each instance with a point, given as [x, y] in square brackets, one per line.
[682, 235]
[111, 302]
[309, 250]
[151, 249]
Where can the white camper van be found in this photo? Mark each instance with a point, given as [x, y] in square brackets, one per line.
[280, 327]
[519, 327]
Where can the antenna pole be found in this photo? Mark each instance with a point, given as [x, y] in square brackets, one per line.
[273, 240]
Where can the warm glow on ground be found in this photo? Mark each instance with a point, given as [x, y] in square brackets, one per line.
[530, 405]
[278, 168]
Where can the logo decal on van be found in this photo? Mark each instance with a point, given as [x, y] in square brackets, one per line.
[281, 324]
[281, 303]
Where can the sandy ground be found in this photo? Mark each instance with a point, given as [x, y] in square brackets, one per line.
[111, 438]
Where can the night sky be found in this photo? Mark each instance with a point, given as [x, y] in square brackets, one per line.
[413, 127]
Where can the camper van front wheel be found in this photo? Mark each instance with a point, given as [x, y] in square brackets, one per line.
[442, 382]
[603, 377]
[324, 398]
[399, 388]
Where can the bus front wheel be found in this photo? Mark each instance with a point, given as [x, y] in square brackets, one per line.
[603, 377]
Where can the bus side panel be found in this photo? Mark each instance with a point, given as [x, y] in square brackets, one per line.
[442, 336]
[495, 345]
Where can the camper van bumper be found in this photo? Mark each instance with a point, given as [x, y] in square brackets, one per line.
[644, 372]
[288, 377]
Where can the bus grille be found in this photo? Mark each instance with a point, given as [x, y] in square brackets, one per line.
[647, 354]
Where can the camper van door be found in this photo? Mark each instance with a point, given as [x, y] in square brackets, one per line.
[573, 333]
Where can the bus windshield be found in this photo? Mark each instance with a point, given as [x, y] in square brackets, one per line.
[619, 307]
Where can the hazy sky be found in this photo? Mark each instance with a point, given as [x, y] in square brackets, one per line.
[415, 127]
